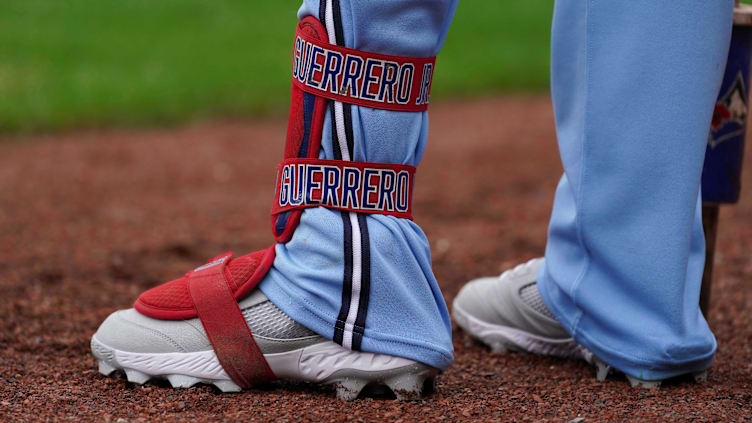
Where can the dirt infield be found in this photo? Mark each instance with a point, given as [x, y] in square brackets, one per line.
[90, 219]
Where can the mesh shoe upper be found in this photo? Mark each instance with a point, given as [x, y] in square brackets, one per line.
[530, 295]
[265, 319]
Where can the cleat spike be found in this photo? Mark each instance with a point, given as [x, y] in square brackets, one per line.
[498, 348]
[137, 377]
[182, 381]
[602, 370]
[105, 368]
[646, 384]
[700, 376]
[227, 386]
[348, 389]
[407, 386]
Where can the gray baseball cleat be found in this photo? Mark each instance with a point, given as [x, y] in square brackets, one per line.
[507, 313]
[180, 352]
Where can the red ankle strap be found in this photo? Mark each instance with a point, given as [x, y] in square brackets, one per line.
[237, 351]
[352, 76]
[380, 188]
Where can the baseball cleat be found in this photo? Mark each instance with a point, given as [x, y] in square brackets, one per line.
[181, 352]
[507, 313]
[214, 325]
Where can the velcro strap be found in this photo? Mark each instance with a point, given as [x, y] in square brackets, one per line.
[363, 187]
[225, 326]
[352, 76]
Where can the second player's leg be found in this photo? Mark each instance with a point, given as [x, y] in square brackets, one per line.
[633, 86]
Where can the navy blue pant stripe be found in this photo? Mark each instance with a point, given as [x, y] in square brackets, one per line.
[362, 227]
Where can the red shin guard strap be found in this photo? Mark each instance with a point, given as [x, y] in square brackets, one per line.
[225, 326]
[352, 76]
[362, 187]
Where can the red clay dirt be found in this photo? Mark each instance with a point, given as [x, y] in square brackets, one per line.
[89, 219]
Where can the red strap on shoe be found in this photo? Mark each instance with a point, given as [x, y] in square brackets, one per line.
[380, 188]
[381, 81]
[225, 326]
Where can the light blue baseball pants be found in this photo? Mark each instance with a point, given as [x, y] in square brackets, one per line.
[633, 84]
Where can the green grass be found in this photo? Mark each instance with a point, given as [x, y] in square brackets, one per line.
[495, 46]
[73, 63]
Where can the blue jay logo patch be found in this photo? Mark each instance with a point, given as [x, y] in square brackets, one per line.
[730, 114]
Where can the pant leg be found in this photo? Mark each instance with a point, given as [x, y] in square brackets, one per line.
[633, 86]
[366, 281]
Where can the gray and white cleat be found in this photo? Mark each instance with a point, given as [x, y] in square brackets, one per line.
[507, 313]
[180, 352]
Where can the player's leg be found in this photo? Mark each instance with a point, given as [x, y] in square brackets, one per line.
[345, 297]
[633, 85]
[313, 279]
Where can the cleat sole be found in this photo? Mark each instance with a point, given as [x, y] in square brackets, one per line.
[406, 383]
[134, 376]
[348, 389]
[351, 372]
[502, 339]
[409, 386]
[227, 386]
[641, 383]
[105, 368]
[182, 381]
[602, 370]
[498, 348]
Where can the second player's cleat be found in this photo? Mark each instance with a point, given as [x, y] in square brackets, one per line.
[180, 352]
[507, 313]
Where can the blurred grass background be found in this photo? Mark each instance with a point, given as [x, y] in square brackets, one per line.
[84, 63]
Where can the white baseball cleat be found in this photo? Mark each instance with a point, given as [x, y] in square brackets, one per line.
[179, 351]
[507, 313]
